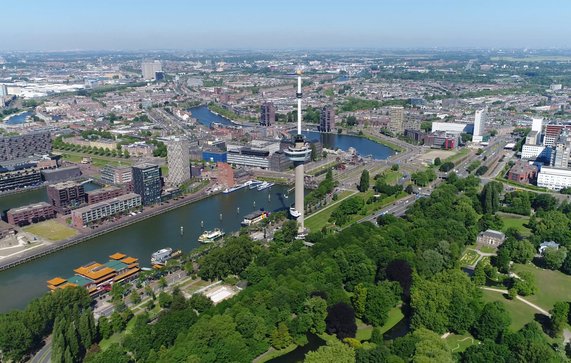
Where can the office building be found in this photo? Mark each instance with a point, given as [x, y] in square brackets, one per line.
[66, 195]
[150, 68]
[442, 140]
[3, 90]
[92, 213]
[214, 156]
[32, 213]
[99, 195]
[327, 119]
[532, 138]
[147, 183]
[21, 146]
[554, 178]
[479, 125]
[396, 120]
[178, 159]
[249, 157]
[14, 179]
[452, 127]
[267, 114]
[523, 172]
[279, 161]
[117, 174]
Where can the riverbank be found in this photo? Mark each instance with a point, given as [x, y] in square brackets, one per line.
[42, 251]
[382, 141]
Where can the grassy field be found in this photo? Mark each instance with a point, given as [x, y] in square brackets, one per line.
[364, 331]
[459, 343]
[458, 155]
[318, 220]
[276, 353]
[469, 257]
[520, 313]
[117, 337]
[323, 168]
[391, 177]
[552, 286]
[515, 221]
[395, 315]
[97, 161]
[51, 230]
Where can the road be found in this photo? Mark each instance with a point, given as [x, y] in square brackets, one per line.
[44, 355]
[397, 209]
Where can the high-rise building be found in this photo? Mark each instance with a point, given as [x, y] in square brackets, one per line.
[479, 124]
[327, 119]
[3, 90]
[537, 125]
[150, 68]
[147, 183]
[396, 120]
[562, 150]
[178, 159]
[267, 114]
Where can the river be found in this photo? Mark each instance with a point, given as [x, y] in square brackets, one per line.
[207, 117]
[21, 284]
[364, 146]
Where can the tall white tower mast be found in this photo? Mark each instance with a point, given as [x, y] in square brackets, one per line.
[298, 153]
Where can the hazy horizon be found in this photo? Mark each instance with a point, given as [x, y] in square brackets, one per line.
[257, 25]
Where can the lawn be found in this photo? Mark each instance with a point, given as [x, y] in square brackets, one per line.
[520, 312]
[552, 286]
[391, 177]
[488, 249]
[516, 221]
[97, 161]
[395, 315]
[319, 219]
[117, 337]
[458, 155]
[469, 257]
[51, 230]
[459, 343]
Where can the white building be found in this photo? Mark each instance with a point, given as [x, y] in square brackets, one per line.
[150, 68]
[107, 208]
[178, 159]
[537, 125]
[452, 127]
[532, 152]
[479, 125]
[532, 138]
[554, 178]
[3, 90]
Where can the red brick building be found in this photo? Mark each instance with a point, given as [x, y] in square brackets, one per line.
[98, 195]
[32, 213]
[523, 172]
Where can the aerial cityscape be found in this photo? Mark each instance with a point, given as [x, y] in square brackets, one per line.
[288, 182]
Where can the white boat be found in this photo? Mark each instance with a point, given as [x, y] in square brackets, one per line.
[294, 212]
[161, 256]
[265, 185]
[237, 187]
[211, 236]
[254, 184]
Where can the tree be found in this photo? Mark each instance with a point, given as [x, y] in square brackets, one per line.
[165, 300]
[437, 161]
[395, 167]
[364, 182]
[559, 317]
[135, 297]
[199, 302]
[341, 321]
[544, 202]
[490, 197]
[492, 323]
[380, 299]
[479, 276]
[359, 300]
[315, 309]
[487, 351]
[334, 351]
[430, 348]
[409, 189]
[280, 337]
[553, 258]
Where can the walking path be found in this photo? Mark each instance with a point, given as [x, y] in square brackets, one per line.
[544, 312]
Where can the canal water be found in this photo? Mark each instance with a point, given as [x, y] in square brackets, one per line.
[207, 117]
[21, 284]
[364, 146]
[17, 119]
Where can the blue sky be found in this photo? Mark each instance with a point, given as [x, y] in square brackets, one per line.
[222, 24]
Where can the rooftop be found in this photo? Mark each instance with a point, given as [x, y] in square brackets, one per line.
[29, 207]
